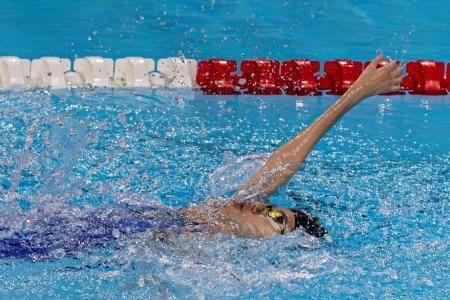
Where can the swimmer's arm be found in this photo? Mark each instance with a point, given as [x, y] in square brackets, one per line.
[284, 162]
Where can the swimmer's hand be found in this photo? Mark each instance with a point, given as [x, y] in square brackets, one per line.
[375, 80]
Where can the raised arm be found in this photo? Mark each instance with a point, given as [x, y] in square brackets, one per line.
[284, 162]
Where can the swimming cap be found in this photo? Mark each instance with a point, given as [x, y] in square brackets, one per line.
[310, 224]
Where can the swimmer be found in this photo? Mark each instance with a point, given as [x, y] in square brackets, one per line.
[247, 213]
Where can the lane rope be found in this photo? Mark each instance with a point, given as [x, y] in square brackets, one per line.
[214, 76]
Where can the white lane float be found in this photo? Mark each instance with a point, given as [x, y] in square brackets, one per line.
[95, 71]
[157, 80]
[178, 72]
[14, 72]
[133, 71]
[50, 72]
[74, 79]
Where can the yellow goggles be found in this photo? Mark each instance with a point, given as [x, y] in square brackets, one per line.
[277, 220]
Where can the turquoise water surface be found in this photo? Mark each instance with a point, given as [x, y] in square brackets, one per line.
[379, 180]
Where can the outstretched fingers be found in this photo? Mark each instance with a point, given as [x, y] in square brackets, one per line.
[374, 63]
[397, 72]
[390, 67]
[393, 72]
[396, 78]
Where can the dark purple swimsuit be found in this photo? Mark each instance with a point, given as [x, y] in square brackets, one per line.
[94, 229]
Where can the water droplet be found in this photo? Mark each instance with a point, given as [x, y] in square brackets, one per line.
[242, 81]
[59, 253]
[115, 233]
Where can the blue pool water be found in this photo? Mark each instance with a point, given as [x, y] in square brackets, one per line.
[379, 180]
[226, 28]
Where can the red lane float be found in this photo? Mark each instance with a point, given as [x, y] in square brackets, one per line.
[260, 76]
[298, 77]
[214, 76]
[448, 77]
[427, 77]
[340, 74]
[301, 77]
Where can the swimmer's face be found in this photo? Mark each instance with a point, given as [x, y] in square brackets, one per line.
[258, 219]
